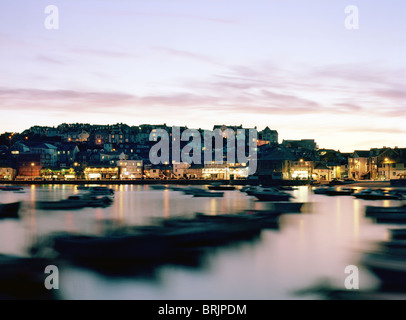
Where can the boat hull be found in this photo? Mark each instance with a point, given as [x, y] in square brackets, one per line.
[221, 187]
[271, 197]
[10, 210]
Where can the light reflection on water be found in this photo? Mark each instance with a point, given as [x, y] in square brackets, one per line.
[317, 244]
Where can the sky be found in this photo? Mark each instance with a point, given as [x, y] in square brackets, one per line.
[293, 65]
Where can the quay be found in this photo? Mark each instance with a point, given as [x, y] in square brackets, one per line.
[239, 182]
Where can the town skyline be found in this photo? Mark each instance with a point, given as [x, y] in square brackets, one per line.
[295, 67]
[281, 139]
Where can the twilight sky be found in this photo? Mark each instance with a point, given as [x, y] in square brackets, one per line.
[290, 65]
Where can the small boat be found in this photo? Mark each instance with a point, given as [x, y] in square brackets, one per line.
[370, 194]
[75, 202]
[269, 219]
[398, 234]
[192, 190]
[321, 190]
[117, 253]
[388, 267]
[11, 188]
[374, 210]
[339, 192]
[10, 210]
[327, 291]
[249, 223]
[251, 190]
[175, 188]
[218, 186]
[245, 188]
[82, 187]
[333, 191]
[157, 187]
[272, 194]
[286, 188]
[22, 278]
[204, 193]
[287, 207]
[209, 230]
[101, 191]
[390, 218]
[336, 182]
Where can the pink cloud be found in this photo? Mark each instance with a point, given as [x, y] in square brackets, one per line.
[187, 54]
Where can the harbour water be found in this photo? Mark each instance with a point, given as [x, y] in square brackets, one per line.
[315, 245]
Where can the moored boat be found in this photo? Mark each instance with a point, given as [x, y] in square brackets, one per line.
[22, 278]
[272, 194]
[157, 187]
[320, 190]
[75, 202]
[371, 194]
[205, 193]
[389, 218]
[218, 186]
[398, 233]
[252, 221]
[388, 267]
[287, 206]
[101, 191]
[376, 210]
[192, 190]
[332, 191]
[11, 188]
[10, 210]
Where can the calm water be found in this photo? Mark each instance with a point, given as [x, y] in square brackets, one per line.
[308, 247]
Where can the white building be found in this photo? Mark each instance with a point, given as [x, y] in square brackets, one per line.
[130, 169]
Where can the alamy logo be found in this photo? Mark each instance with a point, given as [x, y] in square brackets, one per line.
[52, 281]
[191, 153]
[52, 20]
[351, 281]
[352, 20]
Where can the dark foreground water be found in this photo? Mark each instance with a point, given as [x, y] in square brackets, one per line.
[309, 247]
